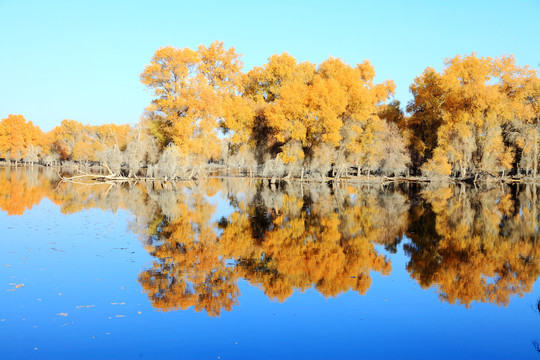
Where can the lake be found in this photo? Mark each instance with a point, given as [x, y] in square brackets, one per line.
[235, 268]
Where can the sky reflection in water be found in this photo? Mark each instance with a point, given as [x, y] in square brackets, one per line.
[255, 271]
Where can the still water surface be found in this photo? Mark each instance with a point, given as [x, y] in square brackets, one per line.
[234, 269]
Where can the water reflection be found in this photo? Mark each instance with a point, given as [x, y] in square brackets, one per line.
[475, 245]
[469, 244]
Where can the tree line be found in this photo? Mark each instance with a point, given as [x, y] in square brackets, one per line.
[477, 117]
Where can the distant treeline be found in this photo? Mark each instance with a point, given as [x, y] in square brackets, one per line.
[477, 117]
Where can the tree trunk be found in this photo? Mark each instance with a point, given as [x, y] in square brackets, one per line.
[535, 161]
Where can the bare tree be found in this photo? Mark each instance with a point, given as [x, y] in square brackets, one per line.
[396, 159]
[32, 154]
[142, 149]
[168, 165]
[112, 158]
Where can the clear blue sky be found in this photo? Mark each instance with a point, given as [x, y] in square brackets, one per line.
[82, 60]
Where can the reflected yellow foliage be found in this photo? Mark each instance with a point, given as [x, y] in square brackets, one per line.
[479, 246]
[21, 189]
[188, 270]
[278, 241]
[468, 244]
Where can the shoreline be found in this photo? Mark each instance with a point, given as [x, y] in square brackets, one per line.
[110, 177]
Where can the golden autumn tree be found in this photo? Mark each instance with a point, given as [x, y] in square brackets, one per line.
[363, 131]
[111, 135]
[18, 136]
[426, 116]
[191, 89]
[264, 83]
[462, 117]
[66, 137]
[72, 140]
[306, 117]
[263, 87]
[311, 118]
[521, 86]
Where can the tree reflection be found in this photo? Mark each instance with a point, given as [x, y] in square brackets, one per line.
[189, 269]
[21, 189]
[279, 240]
[475, 245]
[469, 244]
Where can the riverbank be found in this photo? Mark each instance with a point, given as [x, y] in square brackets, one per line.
[71, 171]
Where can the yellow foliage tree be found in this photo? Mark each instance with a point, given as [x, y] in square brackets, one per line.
[191, 90]
[17, 136]
[472, 112]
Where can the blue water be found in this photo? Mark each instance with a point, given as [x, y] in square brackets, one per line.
[86, 266]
